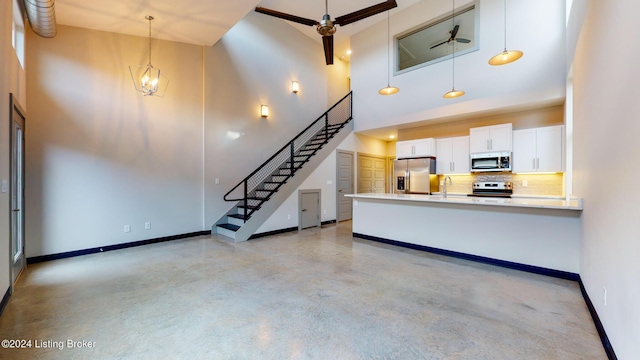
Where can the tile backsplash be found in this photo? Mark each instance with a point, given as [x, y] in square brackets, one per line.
[536, 184]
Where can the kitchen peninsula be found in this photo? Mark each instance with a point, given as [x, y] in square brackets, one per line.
[540, 233]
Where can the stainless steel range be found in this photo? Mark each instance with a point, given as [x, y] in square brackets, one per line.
[492, 188]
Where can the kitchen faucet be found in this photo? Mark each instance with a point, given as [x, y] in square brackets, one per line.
[444, 187]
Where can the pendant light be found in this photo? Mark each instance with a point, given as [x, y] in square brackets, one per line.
[507, 56]
[453, 93]
[147, 79]
[389, 90]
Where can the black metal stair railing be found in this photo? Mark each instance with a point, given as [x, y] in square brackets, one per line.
[258, 187]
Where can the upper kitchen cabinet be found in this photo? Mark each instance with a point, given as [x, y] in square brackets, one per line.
[415, 148]
[490, 138]
[452, 155]
[538, 150]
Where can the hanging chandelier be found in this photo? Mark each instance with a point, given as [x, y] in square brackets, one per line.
[147, 79]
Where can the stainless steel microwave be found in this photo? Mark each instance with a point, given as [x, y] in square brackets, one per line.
[495, 161]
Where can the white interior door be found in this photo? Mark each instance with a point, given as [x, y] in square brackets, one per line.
[18, 258]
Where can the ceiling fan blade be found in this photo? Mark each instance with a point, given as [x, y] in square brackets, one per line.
[365, 13]
[281, 15]
[327, 41]
[444, 42]
[454, 32]
[464, 41]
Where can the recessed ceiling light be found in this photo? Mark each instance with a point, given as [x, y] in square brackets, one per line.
[348, 52]
[392, 136]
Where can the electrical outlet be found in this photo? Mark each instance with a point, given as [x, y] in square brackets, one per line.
[217, 181]
[525, 183]
[289, 217]
[127, 228]
[604, 295]
[147, 225]
[324, 212]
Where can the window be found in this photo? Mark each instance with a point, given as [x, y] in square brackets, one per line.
[17, 33]
[432, 42]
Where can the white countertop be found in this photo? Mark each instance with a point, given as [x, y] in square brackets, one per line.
[528, 202]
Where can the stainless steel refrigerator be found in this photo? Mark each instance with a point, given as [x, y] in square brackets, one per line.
[415, 176]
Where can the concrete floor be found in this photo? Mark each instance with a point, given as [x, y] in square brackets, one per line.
[315, 294]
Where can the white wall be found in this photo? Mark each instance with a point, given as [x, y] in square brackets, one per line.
[253, 64]
[536, 27]
[12, 80]
[339, 80]
[319, 180]
[552, 239]
[606, 173]
[100, 155]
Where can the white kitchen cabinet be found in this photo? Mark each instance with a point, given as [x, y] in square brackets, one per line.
[452, 155]
[493, 138]
[538, 149]
[415, 148]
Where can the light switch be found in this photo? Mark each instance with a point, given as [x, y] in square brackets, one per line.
[329, 182]
[217, 181]
[4, 186]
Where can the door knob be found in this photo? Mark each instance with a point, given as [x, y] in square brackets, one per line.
[16, 210]
[340, 190]
[304, 210]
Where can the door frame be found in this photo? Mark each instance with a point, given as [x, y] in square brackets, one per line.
[309, 191]
[337, 180]
[16, 108]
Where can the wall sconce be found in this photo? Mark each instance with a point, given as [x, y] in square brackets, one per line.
[295, 87]
[264, 111]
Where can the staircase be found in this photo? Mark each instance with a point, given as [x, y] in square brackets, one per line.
[258, 195]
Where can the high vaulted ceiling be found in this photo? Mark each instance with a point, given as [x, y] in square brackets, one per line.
[204, 22]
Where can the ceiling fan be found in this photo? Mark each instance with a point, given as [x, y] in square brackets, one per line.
[327, 27]
[453, 37]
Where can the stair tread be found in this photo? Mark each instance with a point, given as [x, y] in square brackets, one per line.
[252, 207]
[240, 216]
[231, 227]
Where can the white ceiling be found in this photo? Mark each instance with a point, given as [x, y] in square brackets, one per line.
[204, 22]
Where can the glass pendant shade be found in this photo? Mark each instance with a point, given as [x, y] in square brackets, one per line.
[389, 90]
[147, 79]
[505, 57]
[453, 94]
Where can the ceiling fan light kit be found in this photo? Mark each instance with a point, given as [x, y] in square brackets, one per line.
[327, 27]
[507, 56]
[147, 79]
